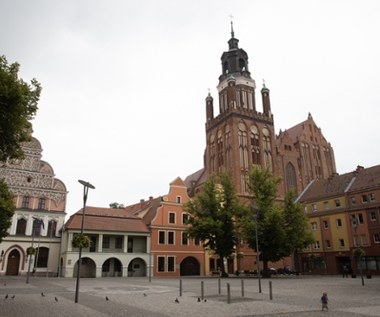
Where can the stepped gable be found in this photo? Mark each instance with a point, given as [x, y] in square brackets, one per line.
[107, 219]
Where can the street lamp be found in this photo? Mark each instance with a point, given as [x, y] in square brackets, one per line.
[355, 224]
[256, 218]
[86, 186]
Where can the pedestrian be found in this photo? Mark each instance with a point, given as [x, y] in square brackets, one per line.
[324, 301]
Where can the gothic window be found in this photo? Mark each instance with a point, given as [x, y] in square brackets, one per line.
[21, 226]
[255, 145]
[243, 146]
[25, 202]
[42, 256]
[212, 153]
[227, 137]
[220, 151]
[291, 176]
[267, 149]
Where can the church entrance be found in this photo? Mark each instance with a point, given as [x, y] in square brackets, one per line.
[13, 263]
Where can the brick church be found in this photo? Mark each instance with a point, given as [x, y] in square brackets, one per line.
[241, 135]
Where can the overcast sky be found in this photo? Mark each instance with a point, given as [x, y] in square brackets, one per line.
[124, 82]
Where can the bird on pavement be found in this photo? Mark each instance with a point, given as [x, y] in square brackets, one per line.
[13, 297]
[199, 299]
[205, 300]
[177, 301]
[145, 295]
[107, 298]
[6, 296]
[42, 294]
[56, 299]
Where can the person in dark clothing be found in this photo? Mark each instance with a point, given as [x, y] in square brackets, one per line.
[324, 301]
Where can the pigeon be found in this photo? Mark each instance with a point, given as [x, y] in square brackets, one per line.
[13, 297]
[56, 299]
[177, 301]
[199, 299]
[205, 300]
[6, 296]
[42, 294]
[145, 295]
[107, 298]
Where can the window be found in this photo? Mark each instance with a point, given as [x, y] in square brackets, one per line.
[171, 262]
[52, 226]
[316, 245]
[325, 205]
[178, 199]
[185, 218]
[41, 203]
[25, 202]
[37, 224]
[171, 237]
[376, 238]
[337, 203]
[372, 197]
[185, 239]
[325, 224]
[372, 215]
[338, 222]
[328, 244]
[363, 240]
[106, 243]
[118, 242]
[314, 207]
[341, 243]
[356, 241]
[353, 200]
[21, 226]
[161, 264]
[364, 199]
[130, 243]
[171, 217]
[313, 226]
[197, 241]
[161, 237]
[41, 258]
[360, 219]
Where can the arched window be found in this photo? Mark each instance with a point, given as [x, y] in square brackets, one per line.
[212, 152]
[21, 226]
[227, 137]
[291, 180]
[255, 145]
[220, 150]
[51, 228]
[42, 256]
[37, 225]
[267, 149]
[243, 148]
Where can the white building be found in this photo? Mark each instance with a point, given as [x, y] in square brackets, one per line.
[120, 244]
[40, 201]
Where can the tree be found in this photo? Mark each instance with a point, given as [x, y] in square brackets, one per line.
[7, 209]
[212, 216]
[282, 228]
[298, 235]
[267, 217]
[116, 205]
[18, 105]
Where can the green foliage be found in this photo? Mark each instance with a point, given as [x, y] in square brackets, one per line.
[358, 252]
[31, 251]
[213, 213]
[281, 229]
[81, 241]
[116, 205]
[18, 105]
[7, 208]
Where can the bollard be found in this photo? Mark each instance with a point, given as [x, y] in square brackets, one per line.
[270, 290]
[228, 294]
[180, 287]
[219, 287]
[202, 290]
[242, 288]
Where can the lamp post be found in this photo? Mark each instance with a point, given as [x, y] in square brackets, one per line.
[86, 186]
[256, 218]
[355, 224]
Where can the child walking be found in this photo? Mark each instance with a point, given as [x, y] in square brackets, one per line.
[324, 301]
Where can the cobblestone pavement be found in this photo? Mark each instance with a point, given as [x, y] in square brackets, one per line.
[291, 296]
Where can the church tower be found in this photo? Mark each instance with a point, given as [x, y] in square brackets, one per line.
[239, 135]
